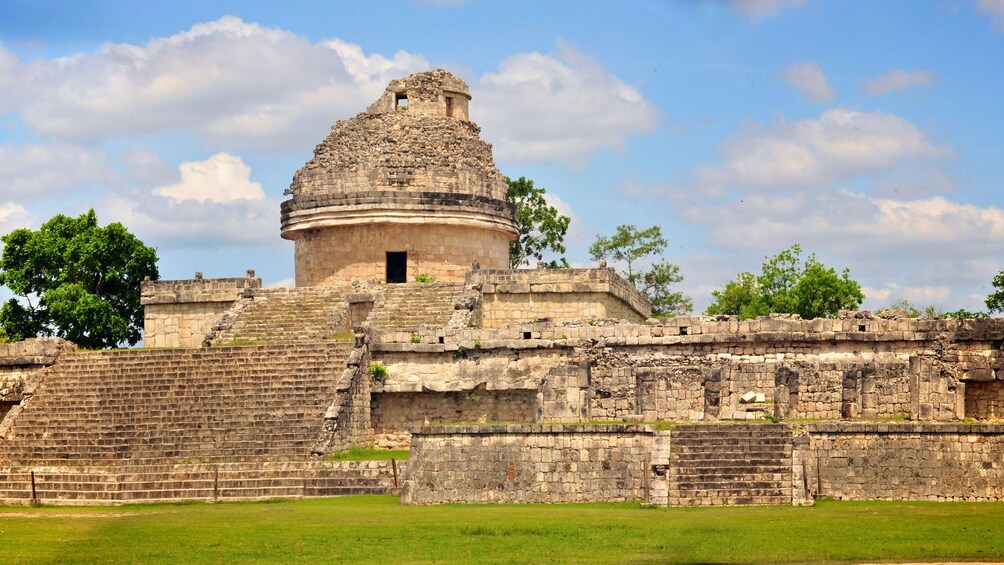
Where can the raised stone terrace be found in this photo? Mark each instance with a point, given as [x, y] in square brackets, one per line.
[218, 404]
[284, 314]
[414, 305]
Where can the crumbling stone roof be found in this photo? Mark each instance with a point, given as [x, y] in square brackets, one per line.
[414, 150]
[369, 150]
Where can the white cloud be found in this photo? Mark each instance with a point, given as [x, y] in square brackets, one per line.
[995, 9]
[222, 178]
[896, 80]
[578, 233]
[808, 78]
[565, 108]
[840, 145]
[233, 83]
[12, 216]
[920, 297]
[759, 9]
[42, 171]
[165, 222]
[282, 283]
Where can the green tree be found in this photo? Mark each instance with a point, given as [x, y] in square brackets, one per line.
[789, 284]
[75, 280]
[628, 245]
[542, 228]
[995, 301]
[739, 298]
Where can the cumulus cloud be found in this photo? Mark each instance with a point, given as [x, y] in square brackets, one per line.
[808, 78]
[994, 9]
[840, 145]
[896, 80]
[222, 178]
[564, 108]
[758, 9]
[164, 222]
[43, 171]
[13, 216]
[232, 82]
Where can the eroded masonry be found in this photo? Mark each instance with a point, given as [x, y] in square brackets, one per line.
[531, 385]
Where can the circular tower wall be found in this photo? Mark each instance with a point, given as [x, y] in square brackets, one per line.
[405, 188]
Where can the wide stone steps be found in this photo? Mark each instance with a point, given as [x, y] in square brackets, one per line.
[282, 315]
[197, 404]
[734, 464]
[414, 305]
[224, 481]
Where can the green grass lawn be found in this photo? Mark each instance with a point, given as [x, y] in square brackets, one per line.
[376, 529]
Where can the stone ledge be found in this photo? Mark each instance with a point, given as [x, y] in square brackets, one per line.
[35, 351]
[903, 428]
[492, 429]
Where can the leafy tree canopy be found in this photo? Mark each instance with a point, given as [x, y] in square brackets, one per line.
[628, 245]
[995, 301]
[542, 228]
[788, 284]
[75, 280]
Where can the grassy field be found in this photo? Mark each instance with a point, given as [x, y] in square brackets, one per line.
[376, 529]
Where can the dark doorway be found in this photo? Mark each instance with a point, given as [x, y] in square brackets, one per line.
[397, 266]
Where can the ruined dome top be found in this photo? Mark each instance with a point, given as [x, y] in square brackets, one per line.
[414, 146]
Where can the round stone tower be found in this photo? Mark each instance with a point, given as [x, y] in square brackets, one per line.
[405, 188]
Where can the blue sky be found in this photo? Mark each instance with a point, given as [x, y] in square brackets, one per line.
[871, 133]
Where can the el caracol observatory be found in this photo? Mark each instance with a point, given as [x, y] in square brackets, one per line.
[405, 188]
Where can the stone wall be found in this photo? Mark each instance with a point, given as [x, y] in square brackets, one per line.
[394, 413]
[556, 463]
[339, 255]
[179, 313]
[711, 368]
[21, 363]
[860, 461]
[525, 295]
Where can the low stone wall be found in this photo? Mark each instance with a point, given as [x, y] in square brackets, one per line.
[909, 461]
[21, 364]
[555, 463]
[179, 313]
[526, 295]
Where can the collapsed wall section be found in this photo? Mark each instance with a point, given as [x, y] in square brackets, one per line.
[179, 313]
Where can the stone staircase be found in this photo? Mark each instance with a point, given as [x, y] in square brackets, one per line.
[285, 314]
[152, 482]
[414, 305]
[206, 404]
[168, 424]
[730, 464]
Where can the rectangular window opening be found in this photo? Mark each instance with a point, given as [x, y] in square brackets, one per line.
[400, 101]
[861, 328]
[449, 106]
[526, 335]
[397, 266]
[683, 330]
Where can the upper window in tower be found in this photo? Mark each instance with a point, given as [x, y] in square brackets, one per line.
[449, 106]
[401, 101]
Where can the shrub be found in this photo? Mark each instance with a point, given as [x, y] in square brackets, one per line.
[424, 278]
[378, 371]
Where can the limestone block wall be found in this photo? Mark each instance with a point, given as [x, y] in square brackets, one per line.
[339, 255]
[22, 364]
[717, 368]
[525, 295]
[985, 400]
[461, 381]
[395, 413]
[859, 461]
[179, 313]
[519, 463]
